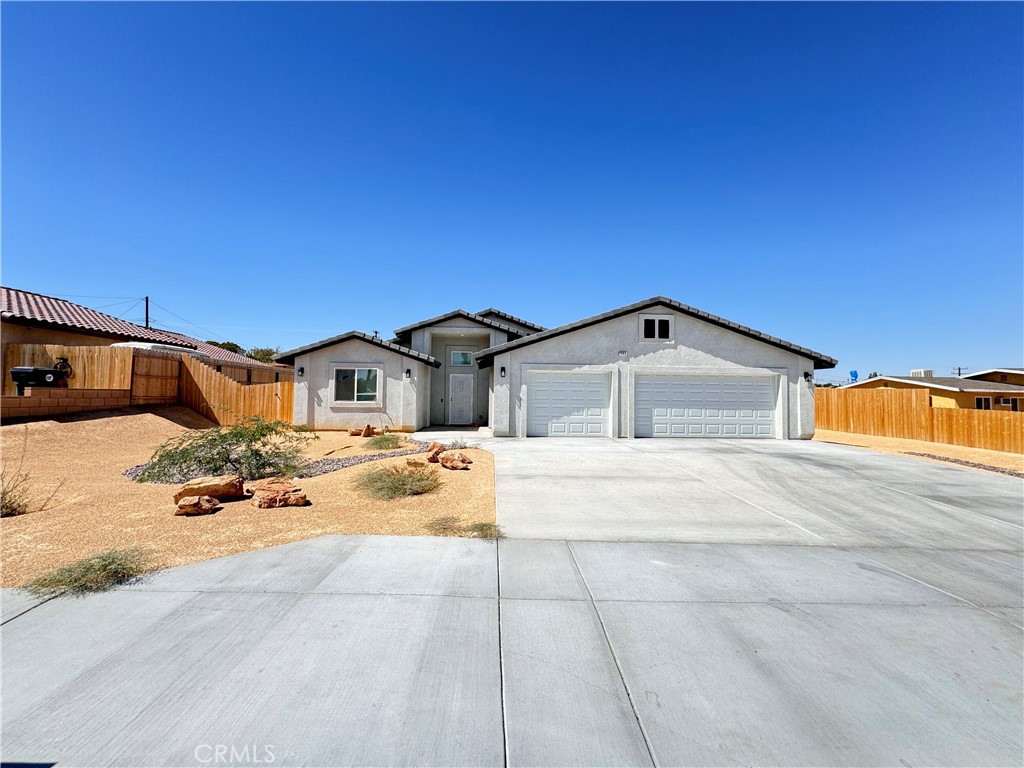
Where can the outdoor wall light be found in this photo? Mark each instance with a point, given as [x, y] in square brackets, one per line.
[408, 373]
[503, 371]
[302, 371]
[808, 376]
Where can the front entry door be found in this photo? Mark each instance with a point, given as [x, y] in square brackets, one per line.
[460, 398]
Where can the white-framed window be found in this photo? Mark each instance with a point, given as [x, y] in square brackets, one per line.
[657, 327]
[983, 403]
[356, 385]
[461, 359]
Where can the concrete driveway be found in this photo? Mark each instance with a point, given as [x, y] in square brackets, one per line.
[793, 604]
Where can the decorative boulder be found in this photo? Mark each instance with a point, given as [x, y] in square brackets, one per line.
[357, 432]
[222, 487]
[368, 431]
[196, 505]
[277, 492]
[450, 462]
[463, 458]
[435, 447]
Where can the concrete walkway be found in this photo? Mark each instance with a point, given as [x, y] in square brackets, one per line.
[862, 611]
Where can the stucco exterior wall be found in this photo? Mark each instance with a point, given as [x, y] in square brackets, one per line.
[942, 398]
[12, 333]
[696, 347]
[398, 407]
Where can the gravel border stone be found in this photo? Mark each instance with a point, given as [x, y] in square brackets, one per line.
[311, 468]
[965, 463]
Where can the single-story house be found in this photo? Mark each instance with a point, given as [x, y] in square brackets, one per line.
[986, 390]
[656, 368]
[34, 318]
[999, 375]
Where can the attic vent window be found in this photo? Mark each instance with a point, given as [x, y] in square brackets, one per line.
[656, 327]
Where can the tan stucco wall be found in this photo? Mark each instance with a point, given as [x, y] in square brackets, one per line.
[11, 333]
[941, 398]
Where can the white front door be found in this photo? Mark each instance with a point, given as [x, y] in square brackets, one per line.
[570, 404]
[460, 398]
[693, 405]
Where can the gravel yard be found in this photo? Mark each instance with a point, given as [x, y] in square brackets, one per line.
[894, 445]
[101, 509]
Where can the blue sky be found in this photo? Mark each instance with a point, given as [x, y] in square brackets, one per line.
[844, 176]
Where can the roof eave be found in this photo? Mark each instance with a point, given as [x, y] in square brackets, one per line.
[821, 362]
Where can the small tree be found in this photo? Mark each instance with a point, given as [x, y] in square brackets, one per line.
[264, 354]
[230, 346]
[252, 448]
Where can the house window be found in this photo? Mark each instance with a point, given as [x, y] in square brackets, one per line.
[356, 385]
[462, 358]
[983, 403]
[656, 327]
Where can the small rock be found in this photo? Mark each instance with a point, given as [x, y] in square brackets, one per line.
[357, 432]
[450, 462]
[463, 458]
[368, 431]
[277, 492]
[196, 505]
[221, 487]
[435, 447]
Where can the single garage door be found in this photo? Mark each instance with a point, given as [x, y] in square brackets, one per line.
[692, 405]
[568, 404]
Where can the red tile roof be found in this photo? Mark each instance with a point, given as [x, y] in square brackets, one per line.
[26, 308]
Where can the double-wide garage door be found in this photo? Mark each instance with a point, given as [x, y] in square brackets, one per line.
[568, 404]
[693, 405]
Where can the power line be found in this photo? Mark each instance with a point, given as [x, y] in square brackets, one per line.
[83, 296]
[189, 322]
[133, 306]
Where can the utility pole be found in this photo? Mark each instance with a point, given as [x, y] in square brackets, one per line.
[147, 311]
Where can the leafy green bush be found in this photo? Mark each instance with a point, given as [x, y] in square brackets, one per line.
[253, 448]
[394, 482]
[97, 573]
[388, 441]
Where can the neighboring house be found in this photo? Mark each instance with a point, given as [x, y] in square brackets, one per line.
[656, 368]
[32, 318]
[998, 375]
[997, 389]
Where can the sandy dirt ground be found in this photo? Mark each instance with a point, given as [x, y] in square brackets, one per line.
[99, 509]
[897, 446]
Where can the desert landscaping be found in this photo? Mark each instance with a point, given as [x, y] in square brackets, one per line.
[96, 508]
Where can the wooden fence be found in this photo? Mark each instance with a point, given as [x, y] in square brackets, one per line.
[225, 401]
[162, 378]
[907, 413]
[94, 367]
[155, 377]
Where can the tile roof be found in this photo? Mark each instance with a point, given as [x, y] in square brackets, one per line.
[486, 357]
[28, 308]
[221, 355]
[289, 356]
[954, 383]
[511, 318]
[458, 313]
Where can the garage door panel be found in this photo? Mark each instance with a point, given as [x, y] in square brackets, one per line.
[568, 405]
[694, 405]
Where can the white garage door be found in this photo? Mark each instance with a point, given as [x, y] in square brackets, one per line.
[568, 404]
[704, 406]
